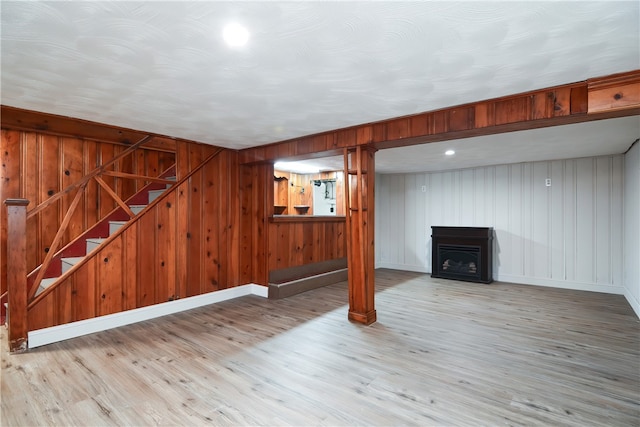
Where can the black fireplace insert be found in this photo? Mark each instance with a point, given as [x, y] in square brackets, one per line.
[462, 253]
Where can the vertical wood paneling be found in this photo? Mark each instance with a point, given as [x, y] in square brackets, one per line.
[125, 274]
[502, 225]
[91, 200]
[222, 229]
[64, 305]
[631, 262]
[570, 232]
[410, 220]
[146, 260]
[602, 210]
[109, 278]
[165, 250]
[422, 251]
[129, 267]
[72, 171]
[618, 224]
[466, 197]
[585, 219]
[540, 226]
[49, 184]
[570, 212]
[106, 152]
[558, 220]
[85, 290]
[181, 240]
[516, 220]
[195, 274]
[210, 218]
[246, 231]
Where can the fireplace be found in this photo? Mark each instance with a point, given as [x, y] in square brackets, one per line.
[462, 253]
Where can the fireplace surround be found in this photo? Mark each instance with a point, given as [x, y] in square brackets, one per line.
[462, 253]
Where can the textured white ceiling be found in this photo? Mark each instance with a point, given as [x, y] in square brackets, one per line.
[163, 67]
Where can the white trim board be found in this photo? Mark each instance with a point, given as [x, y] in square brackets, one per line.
[67, 331]
[634, 303]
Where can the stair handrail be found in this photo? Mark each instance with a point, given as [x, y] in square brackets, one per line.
[85, 179]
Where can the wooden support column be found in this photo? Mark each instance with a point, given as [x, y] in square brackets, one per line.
[359, 200]
[17, 273]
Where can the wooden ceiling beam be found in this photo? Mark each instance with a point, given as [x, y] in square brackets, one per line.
[600, 98]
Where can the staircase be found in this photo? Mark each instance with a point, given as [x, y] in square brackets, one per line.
[92, 238]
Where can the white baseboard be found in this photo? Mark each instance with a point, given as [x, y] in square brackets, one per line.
[67, 331]
[634, 303]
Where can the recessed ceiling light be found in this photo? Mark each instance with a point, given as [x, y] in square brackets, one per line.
[449, 152]
[235, 35]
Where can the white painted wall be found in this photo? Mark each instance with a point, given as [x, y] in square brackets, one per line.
[631, 278]
[568, 235]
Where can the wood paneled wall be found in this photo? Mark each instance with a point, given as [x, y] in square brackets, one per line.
[256, 203]
[186, 245]
[567, 235]
[298, 242]
[631, 277]
[37, 165]
[268, 243]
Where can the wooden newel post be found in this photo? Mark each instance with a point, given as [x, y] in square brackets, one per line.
[17, 273]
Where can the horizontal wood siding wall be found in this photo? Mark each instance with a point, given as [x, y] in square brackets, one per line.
[186, 245]
[37, 165]
[568, 234]
[298, 243]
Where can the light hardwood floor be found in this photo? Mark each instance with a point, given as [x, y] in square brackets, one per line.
[442, 353]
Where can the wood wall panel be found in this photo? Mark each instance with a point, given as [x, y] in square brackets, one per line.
[107, 204]
[273, 243]
[49, 184]
[631, 195]
[211, 242]
[36, 165]
[85, 291]
[109, 278]
[195, 271]
[72, 171]
[565, 235]
[146, 263]
[307, 241]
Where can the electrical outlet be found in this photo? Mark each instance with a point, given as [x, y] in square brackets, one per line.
[424, 188]
[547, 182]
